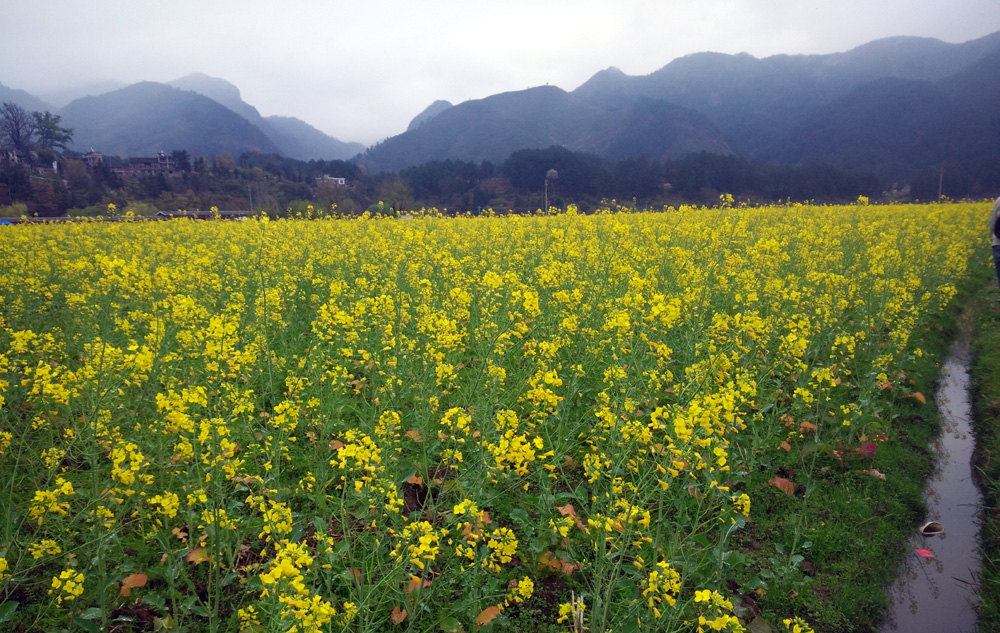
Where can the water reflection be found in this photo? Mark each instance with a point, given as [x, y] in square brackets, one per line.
[935, 595]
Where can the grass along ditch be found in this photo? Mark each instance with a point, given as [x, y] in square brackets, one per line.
[986, 406]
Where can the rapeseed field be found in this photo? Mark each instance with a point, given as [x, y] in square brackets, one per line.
[562, 422]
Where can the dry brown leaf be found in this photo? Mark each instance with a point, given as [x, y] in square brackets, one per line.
[547, 561]
[694, 492]
[786, 446]
[569, 511]
[413, 435]
[783, 485]
[873, 473]
[336, 445]
[807, 426]
[485, 518]
[920, 398]
[417, 583]
[398, 615]
[416, 480]
[568, 568]
[487, 615]
[131, 582]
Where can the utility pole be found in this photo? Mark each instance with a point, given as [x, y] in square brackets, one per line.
[940, 182]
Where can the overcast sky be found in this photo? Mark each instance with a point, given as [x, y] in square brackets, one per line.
[361, 70]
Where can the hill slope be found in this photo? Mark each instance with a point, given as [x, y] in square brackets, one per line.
[148, 117]
[493, 128]
[293, 137]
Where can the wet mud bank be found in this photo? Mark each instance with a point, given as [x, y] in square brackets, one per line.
[935, 586]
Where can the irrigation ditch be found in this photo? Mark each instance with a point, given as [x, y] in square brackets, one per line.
[935, 587]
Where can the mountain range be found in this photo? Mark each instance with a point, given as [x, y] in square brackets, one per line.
[891, 106]
[201, 114]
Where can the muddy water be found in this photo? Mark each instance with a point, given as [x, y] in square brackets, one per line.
[936, 595]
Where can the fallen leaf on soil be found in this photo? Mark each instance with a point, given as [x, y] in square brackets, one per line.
[417, 583]
[487, 615]
[547, 561]
[783, 485]
[181, 534]
[415, 480]
[568, 568]
[132, 582]
[868, 449]
[398, 615]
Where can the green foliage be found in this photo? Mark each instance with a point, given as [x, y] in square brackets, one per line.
[50, 133]
[15, 210]
[986, 416]
[140, 209]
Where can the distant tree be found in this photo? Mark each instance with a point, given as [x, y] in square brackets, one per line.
[395, 196]
[181, 159]
[50, 133]
[226, 162]
[17, 126]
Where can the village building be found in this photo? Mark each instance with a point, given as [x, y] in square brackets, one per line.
[159, 164]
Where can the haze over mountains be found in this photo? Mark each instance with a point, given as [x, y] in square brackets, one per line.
[895, 104]
[201, 114]
[890, 106]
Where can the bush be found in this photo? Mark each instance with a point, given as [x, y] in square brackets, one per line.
[15, 210]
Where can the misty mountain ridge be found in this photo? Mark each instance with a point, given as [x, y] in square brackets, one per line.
[148, 117]
[199, 113]
[891, 105]
[294, 137]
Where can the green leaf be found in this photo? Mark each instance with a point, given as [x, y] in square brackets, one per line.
[7, 610]
[93, 613]
[341, 548]
[520, 517]
[86, 625]
[450, 625]
[319, 524]
[154, 600]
